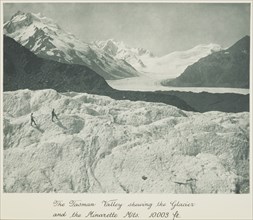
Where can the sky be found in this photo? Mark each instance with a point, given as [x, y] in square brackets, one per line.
[159, 27]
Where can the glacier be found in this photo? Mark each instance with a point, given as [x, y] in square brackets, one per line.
[153, 70]
[100, 145]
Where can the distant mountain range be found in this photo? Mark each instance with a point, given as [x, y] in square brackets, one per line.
[120, 50]
[167, 66]
[48, 40]
[226, 68]
[110, 59]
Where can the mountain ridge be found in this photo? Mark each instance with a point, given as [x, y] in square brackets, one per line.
[24, 70]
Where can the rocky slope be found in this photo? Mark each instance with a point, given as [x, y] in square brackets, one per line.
[46, 39]
[227, 68]
[22, 70]
[100, 145]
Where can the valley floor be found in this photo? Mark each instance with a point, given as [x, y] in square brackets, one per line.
[100, 145]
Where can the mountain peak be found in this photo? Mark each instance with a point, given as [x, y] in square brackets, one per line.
[110, 46]
[17, 13]
[22, 20]
[242, 45]
[120, 50]
[246, 37]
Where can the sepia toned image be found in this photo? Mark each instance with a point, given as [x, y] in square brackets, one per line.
[126, 98]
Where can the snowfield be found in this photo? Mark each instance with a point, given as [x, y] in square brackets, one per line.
[100, 145]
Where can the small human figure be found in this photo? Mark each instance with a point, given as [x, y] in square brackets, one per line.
[54, 115]
[32, 120]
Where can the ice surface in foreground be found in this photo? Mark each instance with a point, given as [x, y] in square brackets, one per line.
[107, 146]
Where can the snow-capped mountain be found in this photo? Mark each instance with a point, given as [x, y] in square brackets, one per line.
[167, 66]
[46, 39]
[120, 50]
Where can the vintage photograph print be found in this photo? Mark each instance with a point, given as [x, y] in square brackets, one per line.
[126, 98]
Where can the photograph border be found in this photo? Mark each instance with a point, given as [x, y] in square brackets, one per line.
[206, 206]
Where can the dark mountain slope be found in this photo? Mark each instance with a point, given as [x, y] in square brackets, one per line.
[22, 70]
[226, 68]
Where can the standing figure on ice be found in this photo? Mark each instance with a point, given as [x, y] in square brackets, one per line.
[54, 115]
[32, 120]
